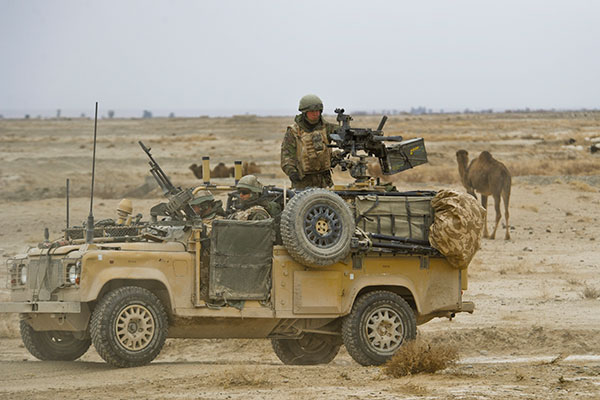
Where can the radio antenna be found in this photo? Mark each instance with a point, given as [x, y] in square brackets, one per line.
[89, 236]
[67, 190]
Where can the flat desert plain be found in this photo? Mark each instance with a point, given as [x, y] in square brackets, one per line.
[535, 333]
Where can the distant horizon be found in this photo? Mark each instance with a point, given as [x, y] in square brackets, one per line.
[225, 113]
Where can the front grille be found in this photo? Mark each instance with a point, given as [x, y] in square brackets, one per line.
[44, 277]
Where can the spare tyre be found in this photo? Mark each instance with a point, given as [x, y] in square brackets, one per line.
[317, 227]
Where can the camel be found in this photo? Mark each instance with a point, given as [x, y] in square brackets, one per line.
[250, 168]
[197, 170]
[220, 171]
[489, 177]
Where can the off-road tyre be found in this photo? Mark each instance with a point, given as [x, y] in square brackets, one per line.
[129, 326]
[379, 323]
[317, 227]
[53, 345]
[310, 349]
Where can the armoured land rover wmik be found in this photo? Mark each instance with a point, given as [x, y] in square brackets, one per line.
[351, 266]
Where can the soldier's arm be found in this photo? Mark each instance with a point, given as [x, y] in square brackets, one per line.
[288, 153]
[329, 129]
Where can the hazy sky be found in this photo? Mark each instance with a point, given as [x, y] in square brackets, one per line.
[262, 56]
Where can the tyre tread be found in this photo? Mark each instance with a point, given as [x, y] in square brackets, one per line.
[41, 352]
[101, 322]
[288, 356]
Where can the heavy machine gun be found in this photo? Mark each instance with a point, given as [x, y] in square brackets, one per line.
[178, 207]
[392, 159]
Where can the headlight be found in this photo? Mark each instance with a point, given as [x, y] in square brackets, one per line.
[23, 275]
[74, 273]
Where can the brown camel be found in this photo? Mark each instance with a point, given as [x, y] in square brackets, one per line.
[489, 177]
[220, 171]
[197, 170]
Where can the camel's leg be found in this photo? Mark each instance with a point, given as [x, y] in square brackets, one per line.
[498, 214]
[505, 198]
[484, 204]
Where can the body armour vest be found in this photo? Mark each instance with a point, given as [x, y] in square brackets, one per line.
[311, 150]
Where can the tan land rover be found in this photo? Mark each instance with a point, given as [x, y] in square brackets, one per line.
[351, 266]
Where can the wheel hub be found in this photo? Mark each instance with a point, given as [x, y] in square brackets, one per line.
[384, 331]
[135, 327]
[322, 226]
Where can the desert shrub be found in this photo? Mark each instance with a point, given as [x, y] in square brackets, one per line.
[421, 356]
[243, 377]
[590, 293]
[582, 186]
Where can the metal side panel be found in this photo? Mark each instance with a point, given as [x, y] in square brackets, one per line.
[317, 292]
[59, 307]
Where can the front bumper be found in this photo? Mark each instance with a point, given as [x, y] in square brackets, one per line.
[467, 306]
[59, 307]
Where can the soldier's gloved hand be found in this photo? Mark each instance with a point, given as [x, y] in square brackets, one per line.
[336, 157]
[295, 177]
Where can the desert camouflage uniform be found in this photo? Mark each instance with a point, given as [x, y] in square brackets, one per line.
[207, 222]
[253, 213]
[456, 230]
[290, 162]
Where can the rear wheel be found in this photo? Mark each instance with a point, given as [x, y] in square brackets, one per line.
[129, 327]
[53, 345]
[310, 349]
[379, 323]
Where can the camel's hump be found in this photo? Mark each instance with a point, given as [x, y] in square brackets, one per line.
[486, 156]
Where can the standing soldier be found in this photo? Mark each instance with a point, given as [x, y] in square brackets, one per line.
[253, 206]
[305, 157]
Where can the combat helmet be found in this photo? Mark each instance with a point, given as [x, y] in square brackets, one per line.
[310, 102]
[201, 196]
[251, 183]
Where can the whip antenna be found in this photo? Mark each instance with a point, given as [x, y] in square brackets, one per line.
[67, 190]
[89, 234]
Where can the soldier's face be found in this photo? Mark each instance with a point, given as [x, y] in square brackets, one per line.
[313, 116]
[245, 195]
[201, 211]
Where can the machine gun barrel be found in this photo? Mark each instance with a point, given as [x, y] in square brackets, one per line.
[161, 178]
[381, 138]
[382, 123]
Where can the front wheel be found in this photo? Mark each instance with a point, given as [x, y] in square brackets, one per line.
[310, 349]
[53, 345]
[379, 323]
[129, 327]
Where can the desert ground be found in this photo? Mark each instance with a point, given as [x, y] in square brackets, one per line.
[535, 332]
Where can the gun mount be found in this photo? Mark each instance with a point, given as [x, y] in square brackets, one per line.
[392, 159]
[178, 207]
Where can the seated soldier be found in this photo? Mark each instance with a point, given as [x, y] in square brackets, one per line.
[253, 205]
[206, 207]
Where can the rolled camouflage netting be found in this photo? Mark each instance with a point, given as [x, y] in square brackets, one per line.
[457, 226]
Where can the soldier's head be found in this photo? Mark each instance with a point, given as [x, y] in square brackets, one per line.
[202, 203]
[312, 107]
[249, 188]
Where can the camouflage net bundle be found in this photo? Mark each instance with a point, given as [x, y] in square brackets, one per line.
[105, 231]
[457, 226]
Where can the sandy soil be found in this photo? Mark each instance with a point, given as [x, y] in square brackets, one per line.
[535, 331]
